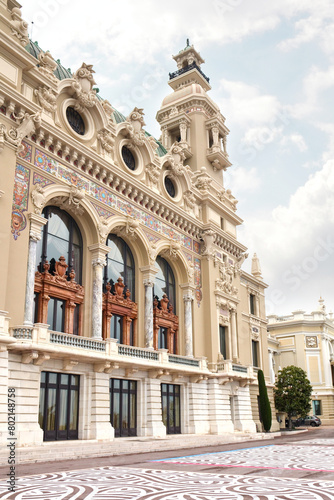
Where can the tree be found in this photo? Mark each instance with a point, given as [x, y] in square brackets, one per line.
[265, 408]
[293, 392]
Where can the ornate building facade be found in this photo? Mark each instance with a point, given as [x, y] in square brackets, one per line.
[307, 341]
[124, 308]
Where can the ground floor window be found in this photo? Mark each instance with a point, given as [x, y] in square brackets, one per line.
[316, 406]
[171, 412]
[123, 407]
[59, 406]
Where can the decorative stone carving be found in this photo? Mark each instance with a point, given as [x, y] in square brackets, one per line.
[224, 284]
[19, 26]
[203, 181]
[107, 107]
[38, 198]
[83, 88]
[47, 65]
[129, 229]
[29, 124]
[106, 140]
[208, 238]
[47, 98]
[152, 175]
[172, 251]
[175, 158]
[2, 136]
[71, 202]
[311, 341]
[189, 201]
[225, 195]
[240, 260]
[103, 229]
[152, 254]
[134, 126]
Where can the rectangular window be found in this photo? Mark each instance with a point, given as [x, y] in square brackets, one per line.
[316, 405]
[116, 328]
[255, 352]
[170, 405]
[59, 406]
[123, 407]
[162, 338]
[56, 314]
[252, 304]
[222, 223]
[222, 341]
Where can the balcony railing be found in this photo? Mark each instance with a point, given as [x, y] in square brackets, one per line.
[22, 332]
[75, 341]
[186, 69]
[181, 360]
[239, 368]
[137, 352]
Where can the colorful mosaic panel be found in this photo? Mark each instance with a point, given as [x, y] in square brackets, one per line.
[42, 181]
[100, 193]
[20, 200]
[151, 222]
[26, 153]
[45, 162]
[196, 247]
[187, 242]
[188, 256]
[197, 272]
[72, 178]
[151, 237]
[128, 209]
[170, 233]
[103, 212]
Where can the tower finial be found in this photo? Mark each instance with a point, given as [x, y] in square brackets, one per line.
[188, 43]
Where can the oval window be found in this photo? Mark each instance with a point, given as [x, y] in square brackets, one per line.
[170, 187]
[75, 121]
[128, 158]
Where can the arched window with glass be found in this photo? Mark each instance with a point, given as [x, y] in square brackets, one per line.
[119, 307]
[58, 290]
[164, 308]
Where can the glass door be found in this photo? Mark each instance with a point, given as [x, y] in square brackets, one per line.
[171, 411]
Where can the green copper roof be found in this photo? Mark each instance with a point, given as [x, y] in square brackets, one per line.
[61, 73]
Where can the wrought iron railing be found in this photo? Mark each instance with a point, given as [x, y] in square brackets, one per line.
[181, 360]
[75, 341]
[137, 352]
[186, 69]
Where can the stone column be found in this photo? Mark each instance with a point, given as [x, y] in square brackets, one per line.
[326, 361]
[234, 335]
[36, 224]
[99, 252]
[183, 132]
[271, 368]
[188, 297]
[215, 136]
[149, 273]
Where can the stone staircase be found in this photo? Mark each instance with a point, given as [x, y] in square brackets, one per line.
[68, 450]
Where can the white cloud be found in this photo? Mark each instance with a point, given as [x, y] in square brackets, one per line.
[296, 139]
[242, 179]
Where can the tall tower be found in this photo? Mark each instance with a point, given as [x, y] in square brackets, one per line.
[189, 117]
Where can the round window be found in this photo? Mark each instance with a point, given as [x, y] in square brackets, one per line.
[75, 120]
[170, 187]
[128, 158]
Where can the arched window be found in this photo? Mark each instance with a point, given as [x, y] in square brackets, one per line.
[165, 321]
[58, 290]
[164, 282]
[61, 237]
[119, 308]
[120, 264]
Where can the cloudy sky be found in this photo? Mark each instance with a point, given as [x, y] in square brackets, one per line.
[271, 67]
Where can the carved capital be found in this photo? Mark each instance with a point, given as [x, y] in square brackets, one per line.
[98, 262]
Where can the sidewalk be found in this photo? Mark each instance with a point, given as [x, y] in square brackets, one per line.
[68, 450]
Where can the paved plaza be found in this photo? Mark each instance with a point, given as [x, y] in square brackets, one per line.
[280, 469]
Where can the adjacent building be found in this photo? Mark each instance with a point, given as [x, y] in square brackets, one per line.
[124, 307]
[307, 341]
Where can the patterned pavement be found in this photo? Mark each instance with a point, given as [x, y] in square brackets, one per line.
[319, 458]
[118, 483]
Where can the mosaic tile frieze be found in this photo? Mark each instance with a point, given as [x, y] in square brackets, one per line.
[103, 212]
[20, 200]
[53, 167]
[26, 152]
[42, 181]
